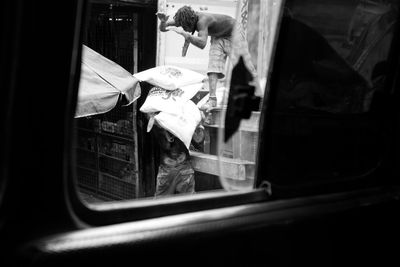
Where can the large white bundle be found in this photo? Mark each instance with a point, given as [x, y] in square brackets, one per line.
[102, 84]
[170, 101]
[181, 125]
[169, 77]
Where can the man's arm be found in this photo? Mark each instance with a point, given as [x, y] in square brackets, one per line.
[200, 40]
[165, 20]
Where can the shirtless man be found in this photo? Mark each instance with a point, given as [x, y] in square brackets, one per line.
[223, 40]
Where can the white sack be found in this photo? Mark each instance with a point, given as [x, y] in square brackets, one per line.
[169, 77]
[181, 125]
[170, 101]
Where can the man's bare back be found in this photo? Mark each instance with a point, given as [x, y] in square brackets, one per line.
[218, 25]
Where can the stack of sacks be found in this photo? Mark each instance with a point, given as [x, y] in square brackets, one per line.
[168, 102]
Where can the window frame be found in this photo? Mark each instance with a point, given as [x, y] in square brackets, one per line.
[37, 219]
[134, 210]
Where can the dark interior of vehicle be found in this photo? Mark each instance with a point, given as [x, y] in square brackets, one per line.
[327, 187]
[328, 119]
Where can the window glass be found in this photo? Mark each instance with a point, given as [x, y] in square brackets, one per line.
[329, 74]
[140, 137]
[237, 152]
[345, 44]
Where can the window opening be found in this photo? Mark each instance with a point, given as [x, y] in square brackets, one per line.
[118, 150]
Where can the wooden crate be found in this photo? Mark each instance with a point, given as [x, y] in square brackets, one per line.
[236, 158]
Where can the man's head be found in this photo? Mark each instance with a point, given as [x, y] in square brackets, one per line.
[186, 18]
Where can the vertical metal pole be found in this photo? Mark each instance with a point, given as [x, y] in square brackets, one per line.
[160, 53]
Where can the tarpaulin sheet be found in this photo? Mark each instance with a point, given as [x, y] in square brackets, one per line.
[102, 84]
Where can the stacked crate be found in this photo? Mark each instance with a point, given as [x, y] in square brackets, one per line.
[107, 154]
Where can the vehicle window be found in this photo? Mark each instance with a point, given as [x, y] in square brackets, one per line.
[142, 136]
[329, 75]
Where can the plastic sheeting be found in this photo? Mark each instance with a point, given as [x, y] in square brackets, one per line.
[102, 84]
